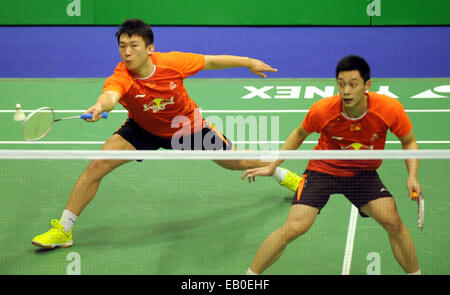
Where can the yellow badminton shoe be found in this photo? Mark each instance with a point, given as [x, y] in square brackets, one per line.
[55, 237]
[291, 181]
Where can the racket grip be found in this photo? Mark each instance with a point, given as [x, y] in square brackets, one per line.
[104, 115]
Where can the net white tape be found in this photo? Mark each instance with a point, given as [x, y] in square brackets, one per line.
[224, 155]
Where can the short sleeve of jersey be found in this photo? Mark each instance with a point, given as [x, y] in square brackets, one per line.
[398, 120]
[187, 64]
[119, 81]
[314, 119]
[310, 123]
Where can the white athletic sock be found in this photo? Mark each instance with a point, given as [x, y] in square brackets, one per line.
[67, 220]
[415, 273]
[280, 174]
[250, 272]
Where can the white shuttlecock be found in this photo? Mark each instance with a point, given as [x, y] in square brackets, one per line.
[19, 115]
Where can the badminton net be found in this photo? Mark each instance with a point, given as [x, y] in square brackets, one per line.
[178, 212]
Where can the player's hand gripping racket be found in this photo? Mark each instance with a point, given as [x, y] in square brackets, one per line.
[420, 208]
[39, 123]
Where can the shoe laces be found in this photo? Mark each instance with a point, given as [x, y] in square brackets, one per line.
[57, 227]
[55, 223]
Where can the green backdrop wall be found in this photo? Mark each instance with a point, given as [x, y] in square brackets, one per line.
[226, 12]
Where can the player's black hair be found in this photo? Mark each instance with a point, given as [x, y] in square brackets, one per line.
[354, 62]
[136, 27]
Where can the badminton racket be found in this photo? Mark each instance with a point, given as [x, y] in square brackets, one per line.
[420, 208]
[39, 123]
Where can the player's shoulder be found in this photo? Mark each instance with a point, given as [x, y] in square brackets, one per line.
[327, 105]
[162, 58]
[170, 57]
[382, 102]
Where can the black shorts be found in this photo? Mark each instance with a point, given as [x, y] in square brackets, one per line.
[209, 138]
[316, 187]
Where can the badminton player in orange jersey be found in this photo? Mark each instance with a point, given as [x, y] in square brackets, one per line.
[161, 114]
[353, 119]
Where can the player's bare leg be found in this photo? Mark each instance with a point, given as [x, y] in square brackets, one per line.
[284, 177]
[60, 234]
[384, 211]
[240, 164]
[87, 184]
[300, 219]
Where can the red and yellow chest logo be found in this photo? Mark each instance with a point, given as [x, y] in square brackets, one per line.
[158, 104]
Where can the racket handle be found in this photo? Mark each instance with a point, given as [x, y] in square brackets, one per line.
[104, 115]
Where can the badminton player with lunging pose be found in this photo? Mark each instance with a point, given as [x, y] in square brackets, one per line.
[353, 119]
[150, 86]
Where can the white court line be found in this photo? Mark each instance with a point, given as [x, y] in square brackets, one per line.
[51, 142]
[350, 241]
[236, 142]
[213, 111]
[306, 110]
[234, 111]
[315, 141]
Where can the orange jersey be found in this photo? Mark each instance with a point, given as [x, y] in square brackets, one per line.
[154, 102]
[338, 132]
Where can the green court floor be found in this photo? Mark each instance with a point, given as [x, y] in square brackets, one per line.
[194, 217]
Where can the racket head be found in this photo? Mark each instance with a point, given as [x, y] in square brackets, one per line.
[38, 124]
[420, 211]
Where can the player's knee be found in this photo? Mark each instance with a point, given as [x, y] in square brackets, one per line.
[393, 225]
[98, 168]
[293, 230]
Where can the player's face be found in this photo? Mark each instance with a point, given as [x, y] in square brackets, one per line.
[134, 52]
[352, 90]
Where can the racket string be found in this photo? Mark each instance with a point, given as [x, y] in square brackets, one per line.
[38, 124]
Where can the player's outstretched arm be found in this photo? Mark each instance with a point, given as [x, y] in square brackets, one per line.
[257, 67]
[105, 103]
[293, 142]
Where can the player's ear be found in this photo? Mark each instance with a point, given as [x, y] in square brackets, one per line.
[367, 85]
[150, 49]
